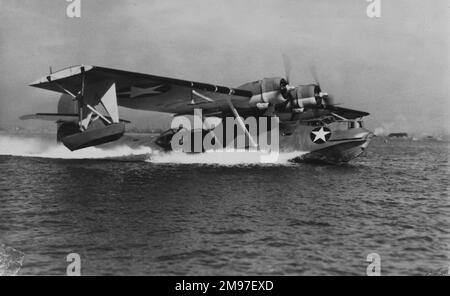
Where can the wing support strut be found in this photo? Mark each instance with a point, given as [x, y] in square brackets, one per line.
[236, 115]
[62, 88]
[108, 101]
[98, 113]
[201, 96]
[79, 97]
[241, 123]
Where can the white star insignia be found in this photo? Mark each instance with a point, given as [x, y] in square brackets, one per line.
[320, 134]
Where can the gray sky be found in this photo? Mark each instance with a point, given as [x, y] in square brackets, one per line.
[396, 67]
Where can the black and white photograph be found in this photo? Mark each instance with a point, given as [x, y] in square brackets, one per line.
[248, 139]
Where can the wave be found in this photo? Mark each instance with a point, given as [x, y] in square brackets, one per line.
[11, 260]
[230, 157]
[26, 146]
[48, 148]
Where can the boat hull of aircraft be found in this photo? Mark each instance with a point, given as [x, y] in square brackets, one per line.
[341, 146]
[342, 142]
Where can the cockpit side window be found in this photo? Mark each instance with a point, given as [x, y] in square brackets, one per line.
[355, 124]
[316, 123]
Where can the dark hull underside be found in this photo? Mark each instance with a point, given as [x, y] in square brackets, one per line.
[336, 154]
[94, 136]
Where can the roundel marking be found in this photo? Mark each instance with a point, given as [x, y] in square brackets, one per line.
[320, 135]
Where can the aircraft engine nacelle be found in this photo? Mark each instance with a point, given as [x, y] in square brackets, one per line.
[307, 102]
[303, 97]
[272, 84]
[270, 91]
[305, 91]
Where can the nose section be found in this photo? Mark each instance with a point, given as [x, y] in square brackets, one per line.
[368, 136]
[363, 134]
[353, 134]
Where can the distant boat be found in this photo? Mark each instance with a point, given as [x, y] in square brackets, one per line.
[433, 138]
[398, 135]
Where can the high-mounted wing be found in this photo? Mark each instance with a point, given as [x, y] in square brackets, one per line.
[148, 92]
[349, 113]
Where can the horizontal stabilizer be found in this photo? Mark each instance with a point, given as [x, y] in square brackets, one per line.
[52, 117]
[58, 117]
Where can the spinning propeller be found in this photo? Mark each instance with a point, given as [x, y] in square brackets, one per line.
[320, 96]
[293, 94]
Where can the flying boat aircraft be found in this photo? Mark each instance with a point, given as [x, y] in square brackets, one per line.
[309, 120]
